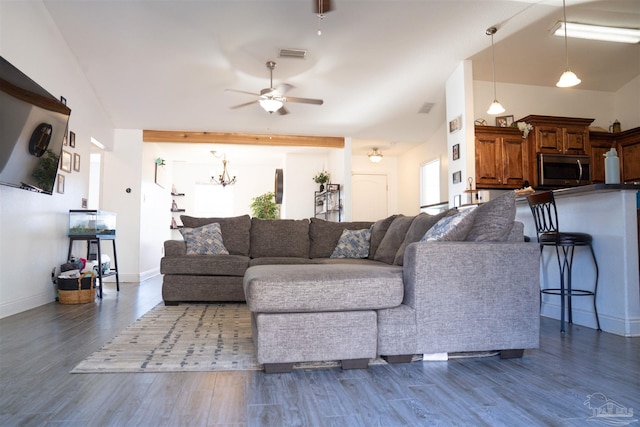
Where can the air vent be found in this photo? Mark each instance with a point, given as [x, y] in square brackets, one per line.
[426, 108]
[293, 53]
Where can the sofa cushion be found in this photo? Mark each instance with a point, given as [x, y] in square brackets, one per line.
[419, 226]
[335, 287]
[353, 244]
[493, 220]
[205, 240]
[235, 231]
[378, 231]
[393, 239]
[205, 265]
[451, 228]
[279, 238]
[324, 235]
[282, 260]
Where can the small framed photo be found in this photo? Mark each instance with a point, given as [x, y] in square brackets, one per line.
[457, 201]
[333, 187]
[63, 100]
[65, 161]
[72, 138]
[457, 177]
[504, 121]
[455, 124]
[76, 162]
[456, 151]
[60, 186]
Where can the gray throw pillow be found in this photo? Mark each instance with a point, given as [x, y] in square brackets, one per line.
[393, 238]
[451, 228]
[353, 244]
[420, 225]
[205, 240]
[324, 235]
[493, 220]
[235, 231]
[378, 231]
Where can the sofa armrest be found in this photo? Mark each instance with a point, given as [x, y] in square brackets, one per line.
[175, 248]
[474, 296]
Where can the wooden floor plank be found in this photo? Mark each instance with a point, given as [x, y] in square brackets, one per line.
[548, 386]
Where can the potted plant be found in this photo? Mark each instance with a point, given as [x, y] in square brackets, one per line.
[322, 178]
[264, 206]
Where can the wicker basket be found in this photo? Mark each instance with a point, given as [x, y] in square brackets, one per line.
[79, 296]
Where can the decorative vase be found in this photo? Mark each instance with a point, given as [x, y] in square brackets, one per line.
[321, 187]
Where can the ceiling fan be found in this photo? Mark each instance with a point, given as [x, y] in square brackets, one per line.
[273, 99]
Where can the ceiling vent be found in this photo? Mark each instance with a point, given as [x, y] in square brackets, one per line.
[426, 108]
[293, 53]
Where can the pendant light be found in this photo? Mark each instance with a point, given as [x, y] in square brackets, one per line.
[568, 78]
[495, 107]
[375, 156]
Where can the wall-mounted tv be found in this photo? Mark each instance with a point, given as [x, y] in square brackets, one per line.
[33, 126]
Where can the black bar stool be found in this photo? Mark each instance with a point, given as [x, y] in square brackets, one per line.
[545, 216]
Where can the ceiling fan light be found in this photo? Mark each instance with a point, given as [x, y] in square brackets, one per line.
[375, 156]
[495, 108]
[568, 79]
[270, 104]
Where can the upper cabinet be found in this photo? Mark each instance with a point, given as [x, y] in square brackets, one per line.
[558, 135]
[626, 143]
[501, 157]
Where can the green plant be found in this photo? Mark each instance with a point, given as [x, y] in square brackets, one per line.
[264, 206]
[321, 177]
[45, 172]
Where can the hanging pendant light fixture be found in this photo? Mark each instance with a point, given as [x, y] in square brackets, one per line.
[568, 78]
[224, 178]
[495, 107]
[375, 156]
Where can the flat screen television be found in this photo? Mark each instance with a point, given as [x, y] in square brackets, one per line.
[33, 127]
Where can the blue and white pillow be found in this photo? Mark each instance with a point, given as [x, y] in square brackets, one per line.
[451, 228]
[353, 244]
[205, 240]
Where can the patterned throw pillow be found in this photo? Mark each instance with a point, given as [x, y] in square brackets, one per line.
[451, 228]
[353, 244]
[205, 240]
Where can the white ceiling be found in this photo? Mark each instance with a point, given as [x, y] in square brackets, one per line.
[166, 64]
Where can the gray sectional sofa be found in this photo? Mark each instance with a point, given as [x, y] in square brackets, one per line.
[472, 286]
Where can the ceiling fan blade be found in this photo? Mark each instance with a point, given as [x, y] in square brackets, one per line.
[304, 100]
[242, 91]
[322, 6]
[282, 111]
[243, 105]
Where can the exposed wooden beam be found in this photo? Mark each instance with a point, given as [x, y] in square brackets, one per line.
[242, 138]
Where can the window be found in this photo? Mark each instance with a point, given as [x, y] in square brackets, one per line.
[430, 183]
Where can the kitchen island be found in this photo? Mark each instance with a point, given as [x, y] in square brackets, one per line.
[610, 213]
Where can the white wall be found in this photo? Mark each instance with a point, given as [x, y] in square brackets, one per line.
[523, 100]
[33, 227]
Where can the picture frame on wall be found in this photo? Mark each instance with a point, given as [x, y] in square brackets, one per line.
[457, 177]
[60, 186]
[72, 139]
[456, 151]
[65, 161]
[76, 162]
[455, 125]
[504, 121]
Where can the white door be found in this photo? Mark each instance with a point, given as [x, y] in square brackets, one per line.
[369, 195]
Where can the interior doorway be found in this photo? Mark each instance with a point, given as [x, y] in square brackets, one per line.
[369, 197]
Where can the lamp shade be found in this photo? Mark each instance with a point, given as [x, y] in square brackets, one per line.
[568, 79]
[271, 104]
[495, 108]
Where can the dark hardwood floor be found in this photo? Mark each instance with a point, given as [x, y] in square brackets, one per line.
[547, 387]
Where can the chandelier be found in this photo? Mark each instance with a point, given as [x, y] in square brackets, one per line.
[224, 178]
[375, 156]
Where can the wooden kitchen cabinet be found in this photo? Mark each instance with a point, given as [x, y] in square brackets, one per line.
[558, 135]
[501, 157]
[626, 143]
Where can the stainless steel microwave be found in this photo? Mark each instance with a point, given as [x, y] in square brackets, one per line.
[556, 170]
